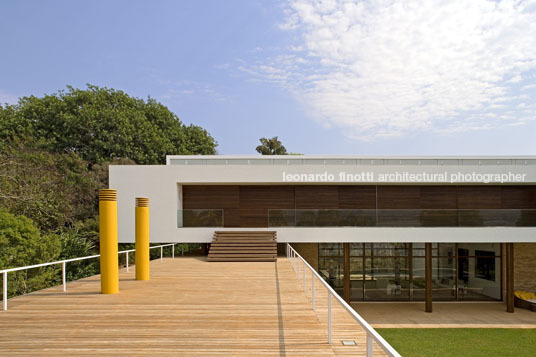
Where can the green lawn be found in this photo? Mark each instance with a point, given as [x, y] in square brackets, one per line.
[485, 342]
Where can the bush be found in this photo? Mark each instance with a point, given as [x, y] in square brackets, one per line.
[75, 245]
[21, 244]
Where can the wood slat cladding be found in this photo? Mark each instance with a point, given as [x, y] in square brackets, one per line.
[399, 197]
[317, 197]
[438, 197]
[479, 197]
[518, 197]
[210, 196]
[255, 201]
[231, 217]
[247, 206]
[357, 197]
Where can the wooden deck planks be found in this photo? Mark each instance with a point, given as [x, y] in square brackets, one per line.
[190, 307]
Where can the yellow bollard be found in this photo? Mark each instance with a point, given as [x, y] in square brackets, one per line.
[108, 241]
[142, 238]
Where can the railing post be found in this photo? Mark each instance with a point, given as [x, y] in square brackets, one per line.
[304, 283]
[63, 277]
[370, 345]
[329, 317]
[173, 251]
[4, 283]
[126, 255]
[161, 253]
[313, 289]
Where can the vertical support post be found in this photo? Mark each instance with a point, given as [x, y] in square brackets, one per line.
[509, 277]
[63, 277]
[428, 277]
[4, 283]
[346, 275]
[370, 345]
[304, 283]
[141, 255]
[109, 265]
[313, 289]
[329, 317]
[161, 253]
[126, 260]
[173, 251]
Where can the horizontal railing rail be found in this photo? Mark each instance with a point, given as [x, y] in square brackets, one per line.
[64, 264]
[298, 265]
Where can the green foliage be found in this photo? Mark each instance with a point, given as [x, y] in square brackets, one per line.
[73, 245]
[271, 147]
[54, 190]
[100, 124]
[21, 244]
[54, 155]
[485, 342]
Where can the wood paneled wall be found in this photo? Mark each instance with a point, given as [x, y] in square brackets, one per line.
[247, 206]
[255, 201]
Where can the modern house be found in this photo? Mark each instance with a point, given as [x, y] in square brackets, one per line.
[376, 228]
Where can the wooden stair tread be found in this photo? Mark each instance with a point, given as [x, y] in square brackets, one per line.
[243, 246]
[243, 259]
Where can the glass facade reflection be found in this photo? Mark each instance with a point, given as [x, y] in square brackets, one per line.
[396, 271]
[331, 265]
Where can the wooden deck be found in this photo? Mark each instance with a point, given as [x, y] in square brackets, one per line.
[190, 307]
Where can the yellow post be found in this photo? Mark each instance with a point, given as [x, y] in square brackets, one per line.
[108, 241]
[142, 238]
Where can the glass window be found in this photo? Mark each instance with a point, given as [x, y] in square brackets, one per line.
[332, 270]
[386, 278]
[356, 279]
[443, 279]
[331, 265]
[480, 278]
[330, 250]
[386, 249]
[356, 249]
[380, 271]
[479, 249]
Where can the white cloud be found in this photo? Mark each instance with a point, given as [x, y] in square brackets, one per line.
[383, 68]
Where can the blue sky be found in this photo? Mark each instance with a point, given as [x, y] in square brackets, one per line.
[330, 77]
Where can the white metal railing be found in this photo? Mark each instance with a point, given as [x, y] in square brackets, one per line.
[299, 264]
[65, 261]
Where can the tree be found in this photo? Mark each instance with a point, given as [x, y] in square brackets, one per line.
[21, 244]
[271, 147]
[54, 190]
[101, 124]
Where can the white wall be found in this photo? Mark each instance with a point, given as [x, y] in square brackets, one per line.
[161, 184]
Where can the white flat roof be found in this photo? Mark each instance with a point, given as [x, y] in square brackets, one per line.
[358, 160]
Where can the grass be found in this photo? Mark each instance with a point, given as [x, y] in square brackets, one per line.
[485, 342]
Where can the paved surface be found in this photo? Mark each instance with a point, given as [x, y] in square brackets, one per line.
[455, 314]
